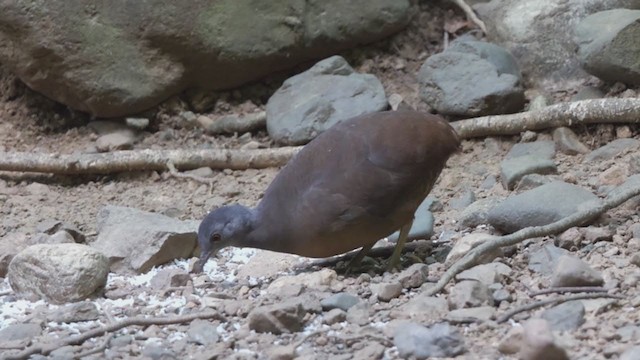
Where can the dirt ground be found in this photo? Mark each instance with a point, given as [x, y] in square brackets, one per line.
[32, 123]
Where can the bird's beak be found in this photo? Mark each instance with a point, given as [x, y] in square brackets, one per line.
[199, 265]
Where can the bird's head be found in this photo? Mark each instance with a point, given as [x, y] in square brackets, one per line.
[222, 227]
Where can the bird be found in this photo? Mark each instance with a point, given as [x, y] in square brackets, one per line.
[352, 185]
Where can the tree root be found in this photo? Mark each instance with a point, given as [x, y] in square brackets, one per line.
[593, 111]
[577, 289]
[45, 349]
[615, 198]
[509, 314]
[471, 15]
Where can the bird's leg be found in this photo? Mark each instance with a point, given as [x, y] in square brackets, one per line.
[355, 261]
[397, 252]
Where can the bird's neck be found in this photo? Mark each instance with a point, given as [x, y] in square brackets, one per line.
[264, 233]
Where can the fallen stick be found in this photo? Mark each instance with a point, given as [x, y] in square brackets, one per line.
[509, 314]
[45, 349]
[139, 160]
[564, 114]
[592, 111]
[618, 196]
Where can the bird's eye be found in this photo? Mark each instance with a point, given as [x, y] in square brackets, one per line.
[215, 237]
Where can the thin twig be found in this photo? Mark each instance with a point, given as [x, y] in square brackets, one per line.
[471, 15]
[615, 198]
[6, 292]
[102, 347]
[577, 289]
[509, 314]
[45, 349]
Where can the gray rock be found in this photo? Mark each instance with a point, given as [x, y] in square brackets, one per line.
[58, 273]
[167, 278]
[635, 260]
[137, 123]
[11, 244]
[540, 206]
[52, 227]
[477, 212]
[593, 234]
[502, 60]
[386, 291]
[543, 259]
[514, 169]
[571, 271]
[203, 172]
[136, 240]
[544, 149]
[414, 276]
[20, 332]
[539, 342]
[470, 241]
[157, 351]
[334, 316]
[531, 181]
[611, 150]
[444, 80]
[103, 127]
[565, 317]
[539, 34]
[311, 102]
[469, 315]
[422, 227]
[469, 293]
[501, 295]
[605, 48]
[567, 141]
[588, 92]
[628, 333]
[117, 67]
[372, 350]
[463, 200]
[76, 312]
[569, 239]
[121, 140]
[487, 274]
[359, 314]
[631, 353]
[419, 342]
[422, 308]
[279, 318]
[202, 332]
[342, 301]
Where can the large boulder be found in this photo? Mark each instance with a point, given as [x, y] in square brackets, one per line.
[540, 35]
[120, 57]
[608, 45]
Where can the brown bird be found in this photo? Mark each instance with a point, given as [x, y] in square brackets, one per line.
[354, 184]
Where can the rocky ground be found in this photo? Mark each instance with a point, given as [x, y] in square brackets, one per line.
[282, 306]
